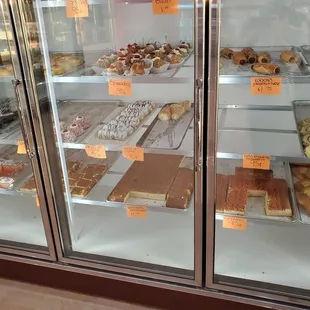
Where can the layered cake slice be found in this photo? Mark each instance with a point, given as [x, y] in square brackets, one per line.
[222, 182]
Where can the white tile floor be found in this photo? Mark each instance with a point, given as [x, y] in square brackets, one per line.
[21, 296]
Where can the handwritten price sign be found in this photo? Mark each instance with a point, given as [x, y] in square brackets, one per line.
[120, 87]
[266, 86]
[234, 223]
[137, 211]
[165, 6]
[133, 153]
[253, 161]
[77, 8]
[21, 147]
[96, 151]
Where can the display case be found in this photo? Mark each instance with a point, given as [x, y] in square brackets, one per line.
[24, 222]
[118, 100]
[258, 160]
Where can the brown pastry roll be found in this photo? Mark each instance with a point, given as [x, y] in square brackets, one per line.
[239, 58]
[165, 113]
[247, 50]
[252, 57]
[288, 57]
[227, 53]
[177, 110]
[263, 57]
[265, 68]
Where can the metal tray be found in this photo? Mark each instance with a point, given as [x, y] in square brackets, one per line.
[93, 136]
[305, 51]
[301, 213]
[300, 68]
[166, 135]
[301, 110]
[95, 111]
[255, 209]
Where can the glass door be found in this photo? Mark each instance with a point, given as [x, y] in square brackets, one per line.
[123, 136]
[258, 182]
[24, 222]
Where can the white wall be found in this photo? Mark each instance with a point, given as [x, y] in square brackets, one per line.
[265, 23]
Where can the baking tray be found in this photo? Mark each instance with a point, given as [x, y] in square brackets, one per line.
[300, 68]
[305, 51]
[255, 208]
[301, 110]
[95, 140]
[166, 134]
[95, 111]
[302, 215]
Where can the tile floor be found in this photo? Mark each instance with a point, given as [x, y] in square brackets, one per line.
[22, 296]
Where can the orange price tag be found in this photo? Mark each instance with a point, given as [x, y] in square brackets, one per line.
[77, 8]
[96, 151]
[21, 148]
[165, 6]
[37, 201]
[234, 222]
[133, 153]
[137, 211]
[266, 86]
[120, 87]
[253, 161]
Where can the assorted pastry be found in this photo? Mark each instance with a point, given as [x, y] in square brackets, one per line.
[133, 59]
[301, 179]
[62, 63]
[9, 169]
[232, 192]
[124, 124]
[168, 182]
[6, 70]
[304, 131]
[73, 131]
[174, 111]
[260, 61]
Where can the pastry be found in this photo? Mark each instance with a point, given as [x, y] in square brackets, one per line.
[306, 140]
[168, 48]
[29, 186]
[187, 105]
[307, 151]
[183, 51]
[266, 68]
[160, 54]
[247, 50]
[177, 110]
[180, 192]
[305, 130]
[158, 62]
[5, 72]
[304, 201]
[57, 70]
[227, 53]
[118, 67]
[304, 122]
[239, 58]
[222, 182]
[289, 57]
[175, 59]
[165, 113]
[75, 61]
[122, 52]
[253, 173]
[10, 168]
[150, 179]
[82, 122]
[149, 48]
[6, 182]
[251, 57]
[150, 56]
[263, 57]
[135, 57]
[138, 68]
[68, 136]
[298, 173]
[103, 62]
[76, 130]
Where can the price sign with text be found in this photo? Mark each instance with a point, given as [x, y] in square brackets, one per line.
[165, 6]
[37, 201]
[96, 151]
[137, 211]
[120, 87]
[133, 153]
[266, 86]
[253, 161]
[21, 147]
[77, 8]
[234, 223]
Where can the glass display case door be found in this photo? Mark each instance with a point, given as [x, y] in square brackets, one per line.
[24, 221]
[258, 155]
[124, 133]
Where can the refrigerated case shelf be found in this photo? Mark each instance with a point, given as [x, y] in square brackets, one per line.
[57, 3]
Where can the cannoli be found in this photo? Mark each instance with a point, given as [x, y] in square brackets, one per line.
[177, 110]
[227, 53]
[239, 58]
[266, 68]
[263, 57]
[165, 113]
[289, 57]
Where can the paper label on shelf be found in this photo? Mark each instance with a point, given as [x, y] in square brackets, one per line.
[234, 222]
[254, 161]
[120, 87]
[37, 201]
[96, 151]
[266, 86]
[21, 148]
[133, 153]
[137, 211]
[165, 6]
[77, 8]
